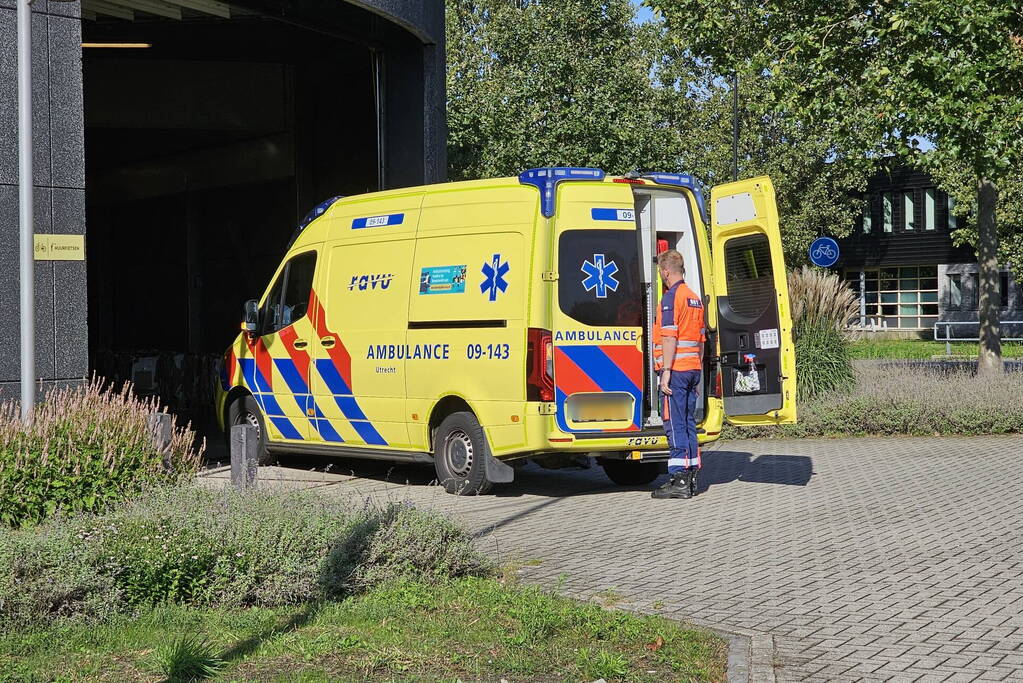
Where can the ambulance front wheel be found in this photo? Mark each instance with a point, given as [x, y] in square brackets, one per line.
[460, 451]
[628, 473]
[245, 411]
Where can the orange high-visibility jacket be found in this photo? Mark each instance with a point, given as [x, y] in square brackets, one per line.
[680, 315]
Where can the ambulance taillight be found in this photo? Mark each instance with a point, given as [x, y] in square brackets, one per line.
[539, 365]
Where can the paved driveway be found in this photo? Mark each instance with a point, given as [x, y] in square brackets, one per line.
[865, 559]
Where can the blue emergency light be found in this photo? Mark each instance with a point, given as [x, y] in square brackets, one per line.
[547, 179]
[313, 214]
[681, 180]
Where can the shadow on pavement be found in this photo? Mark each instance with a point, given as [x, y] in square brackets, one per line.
[719, 467]
[724, 467]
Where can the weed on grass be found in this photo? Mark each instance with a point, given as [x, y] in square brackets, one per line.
[187, 658]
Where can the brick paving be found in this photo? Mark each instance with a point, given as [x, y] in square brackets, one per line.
[865, 559]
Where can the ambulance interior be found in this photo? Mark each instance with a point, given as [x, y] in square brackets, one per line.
[665, 220]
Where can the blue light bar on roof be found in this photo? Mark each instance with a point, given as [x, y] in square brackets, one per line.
[681, 180]
[547, 179]
[317, 211]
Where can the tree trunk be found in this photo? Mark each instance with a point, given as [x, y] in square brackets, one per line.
[989, 361]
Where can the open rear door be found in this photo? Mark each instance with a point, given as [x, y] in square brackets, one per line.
[758, 361]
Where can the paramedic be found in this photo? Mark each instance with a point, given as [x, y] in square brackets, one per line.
[678, 355]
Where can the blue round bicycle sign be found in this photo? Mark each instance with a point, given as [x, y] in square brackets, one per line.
[824, 252]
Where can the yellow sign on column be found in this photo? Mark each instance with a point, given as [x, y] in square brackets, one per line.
[60, 247]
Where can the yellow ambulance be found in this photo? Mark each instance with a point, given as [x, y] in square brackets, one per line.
[473, 325]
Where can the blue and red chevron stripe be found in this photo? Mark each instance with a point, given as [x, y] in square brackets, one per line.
[336, 372]
[593, 368]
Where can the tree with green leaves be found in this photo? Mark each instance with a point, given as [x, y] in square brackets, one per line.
[876, 76]
[578, 82]
[542, 83]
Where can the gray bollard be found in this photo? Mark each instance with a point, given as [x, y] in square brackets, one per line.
[244, 456]
[161, 431]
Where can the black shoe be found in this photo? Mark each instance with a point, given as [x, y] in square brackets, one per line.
[692, 482]
[678, 486]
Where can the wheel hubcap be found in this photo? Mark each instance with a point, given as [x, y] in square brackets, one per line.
[252, 421]
[458, 453]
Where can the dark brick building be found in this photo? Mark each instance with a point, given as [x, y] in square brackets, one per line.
[902, 262]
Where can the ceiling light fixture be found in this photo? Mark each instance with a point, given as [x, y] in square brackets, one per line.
[118, 45]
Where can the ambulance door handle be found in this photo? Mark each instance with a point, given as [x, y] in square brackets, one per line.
[327, 342]
[301, 344]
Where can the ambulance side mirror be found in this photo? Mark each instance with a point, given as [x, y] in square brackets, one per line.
[250, 319]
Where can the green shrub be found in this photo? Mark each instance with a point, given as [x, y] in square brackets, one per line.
[219, 548]
[823, 362]
[87, 446]
[902, 398]
[399, 543]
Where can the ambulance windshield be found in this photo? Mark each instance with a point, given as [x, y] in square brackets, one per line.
[598, 277]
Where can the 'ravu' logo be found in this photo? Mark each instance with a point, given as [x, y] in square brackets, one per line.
[364, 282]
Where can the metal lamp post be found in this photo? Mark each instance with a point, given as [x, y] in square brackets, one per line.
[26, 263]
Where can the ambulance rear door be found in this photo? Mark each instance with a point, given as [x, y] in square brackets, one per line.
[597, 311]
[754, 323]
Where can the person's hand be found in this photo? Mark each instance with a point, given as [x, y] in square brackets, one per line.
[665, 379]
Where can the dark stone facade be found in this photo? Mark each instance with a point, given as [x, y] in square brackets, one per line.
[59, 169]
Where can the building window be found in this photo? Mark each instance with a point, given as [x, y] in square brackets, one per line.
[887, 204]
[955, 291]
[867, 220]
[929, 208]
[904, 297]
[1003, 290]
[953, 220]
[907, 198]
[975, 281]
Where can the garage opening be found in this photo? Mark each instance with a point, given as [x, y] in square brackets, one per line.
[210, 130]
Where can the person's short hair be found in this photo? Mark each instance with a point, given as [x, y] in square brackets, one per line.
[671, 261]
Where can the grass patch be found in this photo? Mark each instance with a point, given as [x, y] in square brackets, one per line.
[467, 629]
[894, 399]
[916, 349]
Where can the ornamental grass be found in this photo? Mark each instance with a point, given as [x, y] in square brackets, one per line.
[86, 447]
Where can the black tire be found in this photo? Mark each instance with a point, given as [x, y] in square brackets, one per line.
[629, 473]
[460, 451]
[245, 410]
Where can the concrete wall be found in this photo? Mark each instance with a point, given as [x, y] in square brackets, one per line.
[59, 169]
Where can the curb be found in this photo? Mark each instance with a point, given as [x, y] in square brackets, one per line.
[750, 654]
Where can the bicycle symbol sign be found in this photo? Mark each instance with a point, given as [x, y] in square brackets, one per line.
[824, 252]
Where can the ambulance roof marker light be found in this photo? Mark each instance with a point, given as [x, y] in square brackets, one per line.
[682, 180]
[313, 214]
[546, 180]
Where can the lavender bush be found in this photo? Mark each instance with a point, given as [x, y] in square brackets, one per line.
[905, 399]
[87, 447]
[207, 547]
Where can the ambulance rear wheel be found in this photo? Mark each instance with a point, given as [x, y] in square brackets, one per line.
[245, 411]
[628, 473]
[460, 451]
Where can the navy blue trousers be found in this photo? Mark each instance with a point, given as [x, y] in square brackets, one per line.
[679, 413]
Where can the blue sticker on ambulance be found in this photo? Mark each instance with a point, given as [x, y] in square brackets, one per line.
[613, 214]
[378, 221]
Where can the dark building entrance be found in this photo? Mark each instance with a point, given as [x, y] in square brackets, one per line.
[204, 150]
